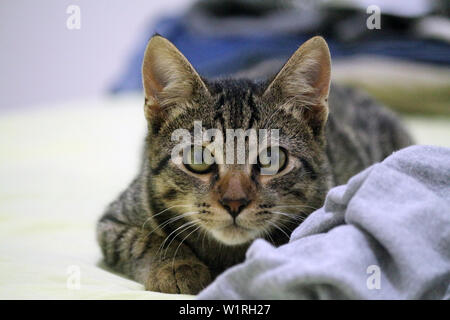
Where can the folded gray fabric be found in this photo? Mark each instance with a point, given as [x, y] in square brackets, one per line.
[384, 235]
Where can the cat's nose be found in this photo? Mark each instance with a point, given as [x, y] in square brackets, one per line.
[234, 206]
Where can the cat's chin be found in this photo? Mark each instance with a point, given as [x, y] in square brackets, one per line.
[233, 235]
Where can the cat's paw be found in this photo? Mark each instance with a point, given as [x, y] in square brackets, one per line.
[181, 276]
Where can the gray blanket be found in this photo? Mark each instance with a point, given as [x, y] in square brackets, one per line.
[384, 235]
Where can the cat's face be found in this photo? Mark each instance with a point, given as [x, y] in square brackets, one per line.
[231, 201]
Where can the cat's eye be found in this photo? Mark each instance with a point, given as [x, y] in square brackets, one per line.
[273, 160]
[200, 166]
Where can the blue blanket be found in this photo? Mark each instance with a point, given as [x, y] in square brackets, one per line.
[220, 45]
[384, 235]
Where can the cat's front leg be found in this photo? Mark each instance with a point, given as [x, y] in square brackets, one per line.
[186, 276]
[173, 267]
[141, 254]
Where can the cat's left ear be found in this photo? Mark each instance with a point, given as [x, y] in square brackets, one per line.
[168, 78]
[304, 83]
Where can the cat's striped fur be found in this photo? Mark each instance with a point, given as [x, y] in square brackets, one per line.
[168, 230]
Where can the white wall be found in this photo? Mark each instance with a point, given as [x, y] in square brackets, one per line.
[41, 61]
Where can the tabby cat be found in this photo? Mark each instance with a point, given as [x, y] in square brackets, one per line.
[179, 225]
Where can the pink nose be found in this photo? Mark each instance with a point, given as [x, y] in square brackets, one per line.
[234, 206]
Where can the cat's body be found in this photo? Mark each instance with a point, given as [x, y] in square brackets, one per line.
[174, 229]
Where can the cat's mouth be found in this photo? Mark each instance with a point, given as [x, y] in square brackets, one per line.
[234, 234]
[236, 226]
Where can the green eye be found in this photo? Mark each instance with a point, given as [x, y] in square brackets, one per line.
[200, 166]
[273, 154]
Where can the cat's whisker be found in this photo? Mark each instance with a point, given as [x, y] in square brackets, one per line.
[277, 227]
[266, 232]
[297, 221]
[291, 221]
[292, 216]
[174, 256]
[166, 209]
[171, 220]
[163, 251]
[294, 206]
[203, 239]
[285, 226]
[182, 228]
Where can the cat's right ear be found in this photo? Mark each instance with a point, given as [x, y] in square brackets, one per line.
[168, 78]
[304, 83]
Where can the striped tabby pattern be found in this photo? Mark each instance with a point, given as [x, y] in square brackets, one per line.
[175, 230]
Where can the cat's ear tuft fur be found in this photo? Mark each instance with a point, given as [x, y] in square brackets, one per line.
[168, 78]
[304, 82]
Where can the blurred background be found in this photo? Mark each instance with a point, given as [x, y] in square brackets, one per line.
[71, 102]
[404, 60]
